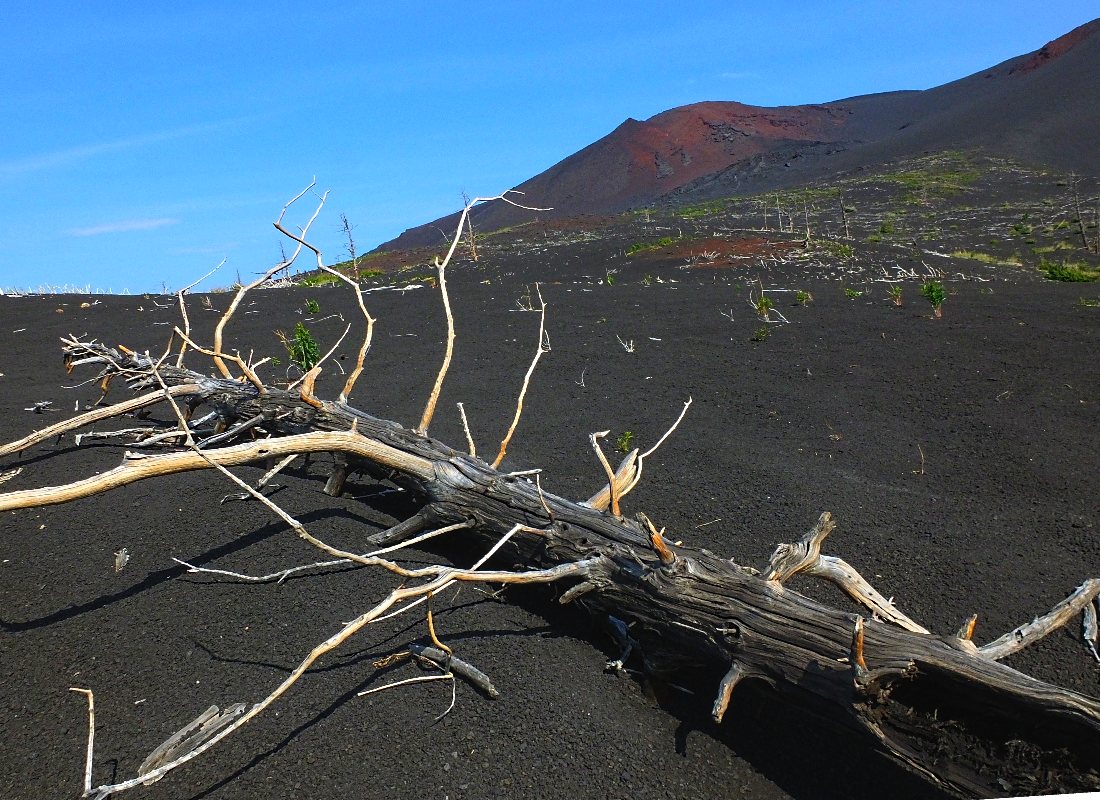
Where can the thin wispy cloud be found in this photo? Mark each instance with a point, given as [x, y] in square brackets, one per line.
[123, 226]
[82, 152]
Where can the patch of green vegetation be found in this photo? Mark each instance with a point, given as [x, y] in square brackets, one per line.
[936, 177]
[1069, 271]
[888, 226]
[840, 250]
[708, 209]
[895, 294]
[809, 194]
[852, 294]
[639, 247]
[803, 297]
[764, 306]
[986, 258]
[874, 238]
[761, 333]
[302, 349]
[1052, 248]
[320, 279]
[506, 229]
[313, 307]
[1088, 302]
[351, 265]
[625, 442]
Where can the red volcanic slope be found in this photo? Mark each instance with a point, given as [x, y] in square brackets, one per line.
[1058, 47]
[640, 160]
[1042, 107]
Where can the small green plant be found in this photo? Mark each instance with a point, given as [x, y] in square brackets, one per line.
[764, 306]
[887, 228]
[852, 294]
[1088, 302]
[625, 443]
[1021, 228]
[761, 333]
[934, 291]
[1069, 271]
[609, 278]
[895, 294]
[647, 279]
[803, 297]
[370, 273]
[313, 307]
[302, 350]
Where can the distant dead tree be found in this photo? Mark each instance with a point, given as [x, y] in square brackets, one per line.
[470, 229]
[943, 706]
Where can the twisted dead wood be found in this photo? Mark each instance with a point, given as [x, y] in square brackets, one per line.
[939, 705]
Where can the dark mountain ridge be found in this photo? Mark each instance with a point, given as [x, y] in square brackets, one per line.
[1041, 108]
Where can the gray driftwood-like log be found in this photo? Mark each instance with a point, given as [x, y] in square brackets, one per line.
[942, 706]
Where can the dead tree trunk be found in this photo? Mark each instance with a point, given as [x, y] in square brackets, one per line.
[941, 706]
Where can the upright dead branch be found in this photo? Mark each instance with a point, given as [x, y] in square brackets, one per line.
[219, 331]
[183, 310]
[542, 347]
[437, 387]
[441, 267]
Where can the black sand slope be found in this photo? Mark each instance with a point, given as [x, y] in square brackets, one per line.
[958, 455]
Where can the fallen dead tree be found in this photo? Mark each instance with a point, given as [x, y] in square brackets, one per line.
[941, 705]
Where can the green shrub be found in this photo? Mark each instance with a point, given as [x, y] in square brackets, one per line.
[934, 291]
[1069, 271]
[761, 333]
[313, 307]
[803, 297]
[625, 443]
[302, 350]
[852, 294]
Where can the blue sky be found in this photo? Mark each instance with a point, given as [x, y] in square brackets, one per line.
[144, 142]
